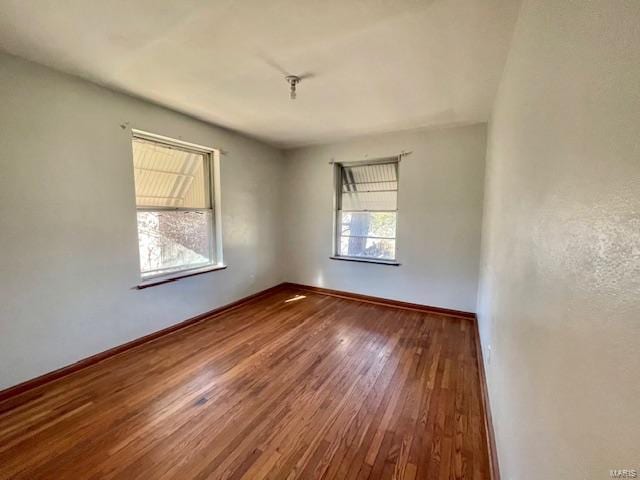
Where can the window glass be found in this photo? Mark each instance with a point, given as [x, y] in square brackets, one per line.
[367, 211]
[175, 214]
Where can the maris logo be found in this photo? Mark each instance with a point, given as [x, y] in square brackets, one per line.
[624, 473]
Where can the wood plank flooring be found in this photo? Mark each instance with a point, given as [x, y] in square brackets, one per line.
[284, 387]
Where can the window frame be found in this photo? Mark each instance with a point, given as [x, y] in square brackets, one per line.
[212, 192]
[338, 169]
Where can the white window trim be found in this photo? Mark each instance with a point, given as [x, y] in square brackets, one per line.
[337, 182]
[216, 208]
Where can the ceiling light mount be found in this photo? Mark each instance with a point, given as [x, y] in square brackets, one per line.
[293, 81]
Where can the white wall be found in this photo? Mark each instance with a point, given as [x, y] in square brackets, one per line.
[68, 240]
[439, 219]
[560, 291]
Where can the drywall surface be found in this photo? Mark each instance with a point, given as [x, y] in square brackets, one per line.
[68, 238]
[439, 218]
[559, 302]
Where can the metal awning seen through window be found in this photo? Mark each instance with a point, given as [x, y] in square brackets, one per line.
[370, 187]
[167, 176]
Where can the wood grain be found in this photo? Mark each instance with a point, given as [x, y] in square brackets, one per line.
[295, 384]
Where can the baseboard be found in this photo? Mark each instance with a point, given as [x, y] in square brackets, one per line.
[99, 357]
[486, 406]
[384, 301]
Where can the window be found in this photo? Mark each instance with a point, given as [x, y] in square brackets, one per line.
[366, 210]
[174, 200]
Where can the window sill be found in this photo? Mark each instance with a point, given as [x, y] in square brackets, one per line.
[172, 277]
[392, 263]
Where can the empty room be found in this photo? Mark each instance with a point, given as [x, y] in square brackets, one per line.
[337, 239]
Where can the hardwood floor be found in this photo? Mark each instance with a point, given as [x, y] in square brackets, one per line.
[284, 387]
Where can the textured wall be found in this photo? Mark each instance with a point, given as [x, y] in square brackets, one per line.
[68, 238]
[559, 303]
[439, 217]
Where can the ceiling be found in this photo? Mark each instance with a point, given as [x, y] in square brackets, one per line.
[376, 65]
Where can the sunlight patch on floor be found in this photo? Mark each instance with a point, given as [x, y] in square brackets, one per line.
[295, 299]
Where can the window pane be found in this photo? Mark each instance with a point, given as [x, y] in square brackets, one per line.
[370, 187]
[376, 173]
[368, 224]
[169, 177]
[174, 240]
[369, 200]
[368, 247]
